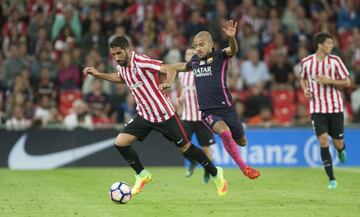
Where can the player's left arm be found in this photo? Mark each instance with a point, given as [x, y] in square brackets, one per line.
[230, 31]
[328, 81]
[342, 73]
[170, 72]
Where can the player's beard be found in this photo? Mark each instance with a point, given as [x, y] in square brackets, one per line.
[125, 62]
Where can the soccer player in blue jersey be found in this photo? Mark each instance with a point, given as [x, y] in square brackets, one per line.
[215, 102]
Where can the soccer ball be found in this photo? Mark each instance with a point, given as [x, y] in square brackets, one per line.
[120, 192]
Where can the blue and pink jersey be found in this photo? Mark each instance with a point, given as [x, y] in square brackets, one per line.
[210, 80]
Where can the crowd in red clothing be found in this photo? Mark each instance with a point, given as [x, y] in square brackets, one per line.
[45, 44]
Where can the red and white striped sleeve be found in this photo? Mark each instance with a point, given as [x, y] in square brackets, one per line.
[303, 73]
[341, 69]
[147, 63]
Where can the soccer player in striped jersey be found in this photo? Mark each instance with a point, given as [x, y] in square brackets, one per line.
[191, 116]
[154, 111]
[215, 102]
[322, 74]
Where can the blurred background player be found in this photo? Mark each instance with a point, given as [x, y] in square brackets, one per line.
[191, 116]
[322, 74]
[154, 111]
[215, 101]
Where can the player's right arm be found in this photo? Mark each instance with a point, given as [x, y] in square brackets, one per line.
[181, 67]
[304, 82]
[305, 87]
[113, 77]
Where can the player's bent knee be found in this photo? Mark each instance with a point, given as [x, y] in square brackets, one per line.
[242, 141]
[184, 147]
[124, 139]
[221, 127]
[323, 140]
[338, 142]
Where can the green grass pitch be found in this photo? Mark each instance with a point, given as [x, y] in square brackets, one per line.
[290, 192]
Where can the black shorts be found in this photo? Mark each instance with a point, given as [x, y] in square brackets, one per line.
[330, 123]
[228, 115]
[171, 129]
[203, 134]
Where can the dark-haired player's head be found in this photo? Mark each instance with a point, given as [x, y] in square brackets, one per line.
[189, 53]
[120, 50]
[203, 44]
[323, 42]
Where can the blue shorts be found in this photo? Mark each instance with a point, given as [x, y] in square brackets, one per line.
[228, 115]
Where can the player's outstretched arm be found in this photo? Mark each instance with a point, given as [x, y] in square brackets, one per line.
[180, 67]
[113, 77]
[230, 31]
[170, 76]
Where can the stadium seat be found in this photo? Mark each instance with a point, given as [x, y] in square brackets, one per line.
[345, 39]
[282, 98]
[67, 97]
[284, 114]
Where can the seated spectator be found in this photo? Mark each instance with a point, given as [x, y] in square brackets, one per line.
[94, 39]
[20, 95]
[256, 100]
[45, 87]
[78, 117]
[55, 117]
[254, 70]
[69, 75]
[26, 59]
[248, 41]
[12, 67]
[264, 118]
[302, 115]
[116, 101]
[17, 121]
[43, 60]
[282, 72]
[348, 16]
[129, 108]
[42, 112]
[240, 108]
[98, 102]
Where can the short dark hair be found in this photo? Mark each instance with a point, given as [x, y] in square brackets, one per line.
[119, 41]
[320, 38]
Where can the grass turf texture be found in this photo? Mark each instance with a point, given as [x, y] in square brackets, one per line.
[84, 192]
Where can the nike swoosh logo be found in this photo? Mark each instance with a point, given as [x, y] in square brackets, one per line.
[19, 159]
[178, 142]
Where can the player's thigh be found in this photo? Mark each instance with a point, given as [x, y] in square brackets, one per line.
[234, 122]
[124, 139]
[189, 128]
[320, 124]
[336, 126]
[203, 134]
[173, 130]
[136, 129]
[214, 121]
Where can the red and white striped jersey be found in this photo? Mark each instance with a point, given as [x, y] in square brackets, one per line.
[190, 110]
[324, 98]
[142, 78]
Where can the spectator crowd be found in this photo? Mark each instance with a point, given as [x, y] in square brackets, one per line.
[45, 44]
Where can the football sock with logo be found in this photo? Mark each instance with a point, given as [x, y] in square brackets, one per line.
[132, 158]
[198, 155]
[232, 148]
[327, 162]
